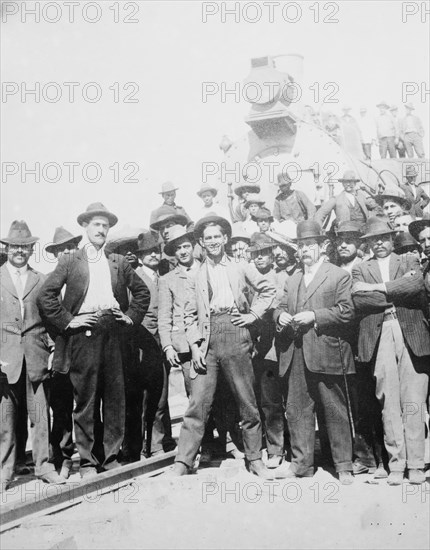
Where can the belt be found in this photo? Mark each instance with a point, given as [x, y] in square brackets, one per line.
[390, 315]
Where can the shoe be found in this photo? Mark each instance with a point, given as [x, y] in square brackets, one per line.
[205, 456]
[258, 468]
[395, 478]
[417, 477]
[380, 473]
[22, 470]
[346, 477]
[52, 477]
[274, 461]
[359, 468]
[177, 470]
[88, 474]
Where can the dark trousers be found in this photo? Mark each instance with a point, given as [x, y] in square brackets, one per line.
[269, 398]
[304, 389]
[98, 385]
[369, 432]
[33, 397]
[229, 349]
[61, 401]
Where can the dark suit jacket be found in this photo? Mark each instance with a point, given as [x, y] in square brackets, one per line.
[72, 270]
[342, 207]
[408, 296]
[329, 297]
[23, 338]
[419, 202]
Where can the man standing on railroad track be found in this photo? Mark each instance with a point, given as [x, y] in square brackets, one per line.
[89, 321]
[218, 317]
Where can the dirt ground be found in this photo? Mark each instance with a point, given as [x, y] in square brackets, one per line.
[225, 507]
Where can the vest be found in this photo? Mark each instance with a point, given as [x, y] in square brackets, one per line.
[357, 214]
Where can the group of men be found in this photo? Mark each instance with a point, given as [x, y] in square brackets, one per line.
[328, 325]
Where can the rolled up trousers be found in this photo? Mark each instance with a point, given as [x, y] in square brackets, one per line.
[229, 349]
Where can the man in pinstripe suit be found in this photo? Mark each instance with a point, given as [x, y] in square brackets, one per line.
[388, 291]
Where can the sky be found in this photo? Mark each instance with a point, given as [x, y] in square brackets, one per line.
[166, 58]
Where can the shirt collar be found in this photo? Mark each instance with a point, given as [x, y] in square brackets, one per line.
[12, 269]
[149, 272]
[310, 270]
[222, 262]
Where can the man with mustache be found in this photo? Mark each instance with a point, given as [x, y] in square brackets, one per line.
[394, 341]
[25, 352]
[89, 321]
[315, 356]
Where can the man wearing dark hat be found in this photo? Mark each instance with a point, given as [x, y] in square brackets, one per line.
[347, 241]
[61, 394]
[388, 292]
[217, 315]
[404, 243]
[386, 131]
[156, 414]
[351, 204]
[412, 132]
[168, 192]
[25, 353]
[89, 321]
[315, 357]
[415, 194]
[240, 212]
[285, 259]
[291, 204]
[264, 220]
[238, 243]
[265, 362]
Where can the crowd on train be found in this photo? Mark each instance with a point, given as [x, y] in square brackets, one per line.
[394, 135]
[274, 336]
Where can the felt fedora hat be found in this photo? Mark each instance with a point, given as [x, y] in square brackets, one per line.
[177, 235]
[254, 198]
[167, 214]
[283, 178]
[167, 187]
[203, 222]
[19, 234]
[309, 229]
[97, 209]
[283, 241]
[207, 188]
[349, 175]
[263, 214]
[417, 226]
[405, 240]
[251, 187]
[239, 234]
[383, 103]
[62, 236]
[411, 170]
[261, 241]
[375, 227]
[147, 241]
[393, 197]
[349, 227]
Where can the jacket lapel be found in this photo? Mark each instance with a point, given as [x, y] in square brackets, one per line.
[296, 280]
[361, 202]
[317, 281]
[202, 285]
[32, 280]
[6, 281]
[113, 265]
[374, 271]
[394, 266]
[234, 280]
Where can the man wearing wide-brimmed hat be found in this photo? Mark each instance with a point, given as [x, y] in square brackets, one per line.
[208, 193]
[239, 242]
[293, 205]
[347, 241]
[393, 203]
[218, 314]
[315, 357]
[394, 341]
[413, 192]
[63, 242]
[25, 352]
[386, 131]
[90, 320]
[168, 192]
[412, 132]
[351, 204]
[240, 213]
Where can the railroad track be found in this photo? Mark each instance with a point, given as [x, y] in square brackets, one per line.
[54, 498]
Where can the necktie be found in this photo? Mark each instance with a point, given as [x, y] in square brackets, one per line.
[18, 284]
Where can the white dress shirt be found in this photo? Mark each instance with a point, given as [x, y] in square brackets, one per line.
[222, 295]
[100, 293]
[153, 275]
[310, 271]
[384, 268]
[13, 271]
